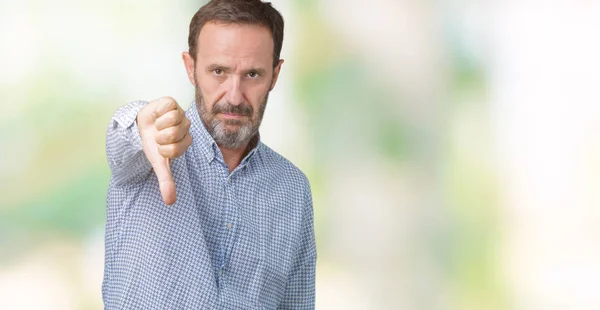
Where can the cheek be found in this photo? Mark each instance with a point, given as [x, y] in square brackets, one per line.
[211, 91]
[207, 83]
[256, 94]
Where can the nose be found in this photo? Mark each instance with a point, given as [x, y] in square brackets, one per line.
[234, 90]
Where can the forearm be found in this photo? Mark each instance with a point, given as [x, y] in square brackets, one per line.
[124, 152]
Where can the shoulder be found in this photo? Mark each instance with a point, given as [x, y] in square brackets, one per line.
[283, 169]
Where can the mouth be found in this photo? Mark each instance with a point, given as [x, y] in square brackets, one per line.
[232, 116]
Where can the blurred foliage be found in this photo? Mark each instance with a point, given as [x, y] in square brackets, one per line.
[61, 192]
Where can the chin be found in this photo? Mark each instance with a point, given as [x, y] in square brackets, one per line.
[233, 123]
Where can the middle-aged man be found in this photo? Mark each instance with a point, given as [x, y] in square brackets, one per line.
[200, 213]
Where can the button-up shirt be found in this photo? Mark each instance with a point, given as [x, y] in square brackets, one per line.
[239, 240]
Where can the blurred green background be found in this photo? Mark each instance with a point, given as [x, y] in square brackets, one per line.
[453, 147]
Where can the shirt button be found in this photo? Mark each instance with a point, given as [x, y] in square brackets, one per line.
[229, 225]
[220, 272]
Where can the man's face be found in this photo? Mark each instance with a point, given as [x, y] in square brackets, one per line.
[233, 75]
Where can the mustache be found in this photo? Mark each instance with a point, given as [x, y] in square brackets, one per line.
[226, 107]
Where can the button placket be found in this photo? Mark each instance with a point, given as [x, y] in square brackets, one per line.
[229, 219]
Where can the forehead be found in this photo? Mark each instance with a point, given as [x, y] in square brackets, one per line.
[218, 41]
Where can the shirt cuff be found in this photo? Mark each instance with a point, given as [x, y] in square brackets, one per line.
[126, 117]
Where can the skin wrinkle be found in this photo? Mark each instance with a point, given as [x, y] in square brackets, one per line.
[216, 128]
[233, 74]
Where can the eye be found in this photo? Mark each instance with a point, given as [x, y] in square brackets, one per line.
[217, 72]
[252, 74]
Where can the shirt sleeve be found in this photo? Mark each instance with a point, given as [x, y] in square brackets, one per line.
[126, 159]
[300, 289]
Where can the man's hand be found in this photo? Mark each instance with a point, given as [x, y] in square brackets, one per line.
[165, 133]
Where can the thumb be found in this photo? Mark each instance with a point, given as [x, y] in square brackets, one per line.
[166, 183]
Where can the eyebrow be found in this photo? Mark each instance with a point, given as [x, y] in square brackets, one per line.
[260, 71]
[218, 66]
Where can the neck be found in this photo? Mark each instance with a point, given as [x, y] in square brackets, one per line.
[233, 157]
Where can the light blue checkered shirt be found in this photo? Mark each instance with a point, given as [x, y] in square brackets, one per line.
[243, 240]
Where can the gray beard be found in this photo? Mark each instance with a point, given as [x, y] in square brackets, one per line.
[231, 139]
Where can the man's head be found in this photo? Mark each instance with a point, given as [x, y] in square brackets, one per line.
[233, 62]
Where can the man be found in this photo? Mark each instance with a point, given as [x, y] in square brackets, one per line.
[200, 213]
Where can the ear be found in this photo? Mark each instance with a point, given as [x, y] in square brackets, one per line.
[190, 64]
[276, 74]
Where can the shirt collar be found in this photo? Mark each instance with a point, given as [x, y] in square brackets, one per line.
[254, 144]
[205, 142]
